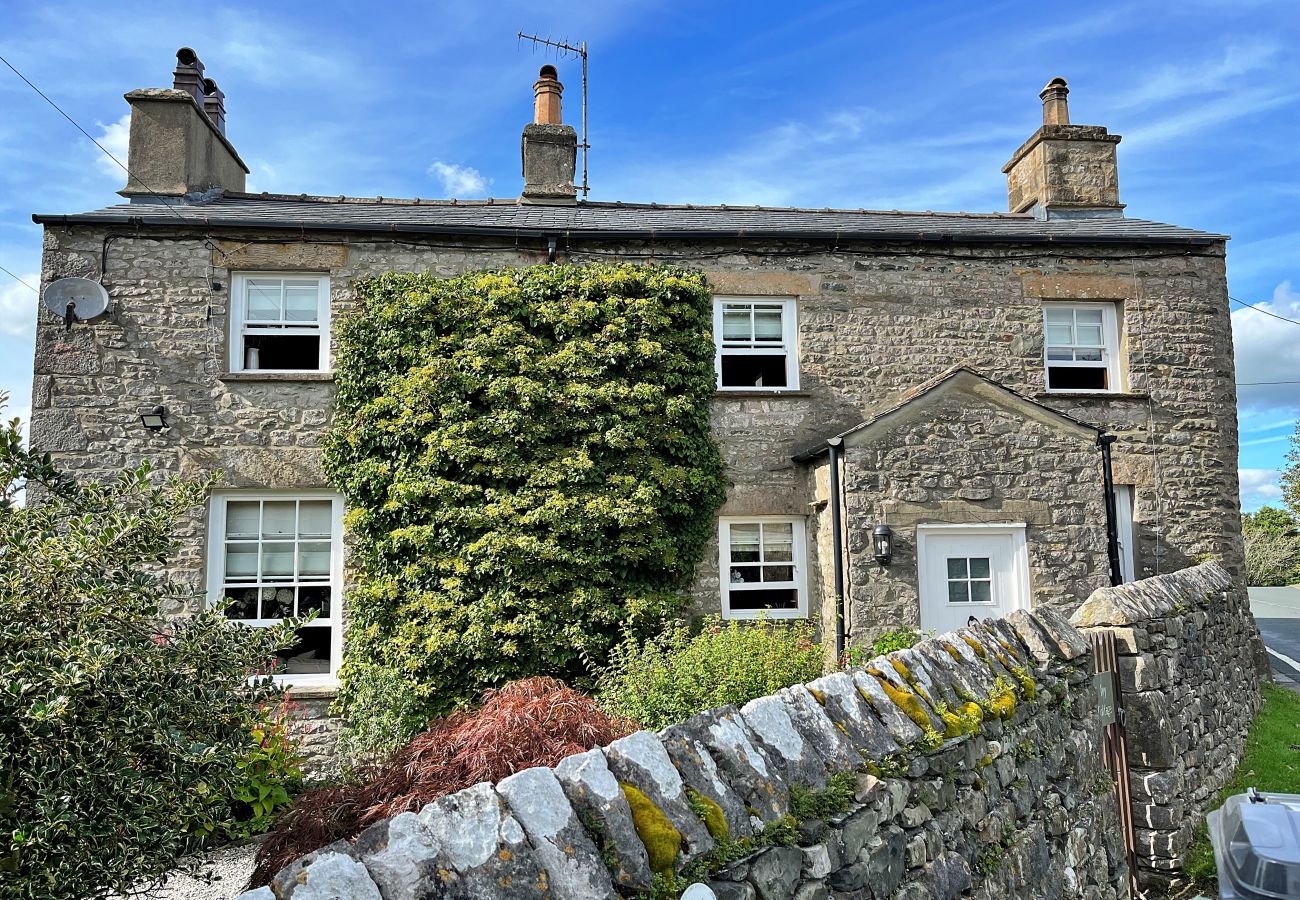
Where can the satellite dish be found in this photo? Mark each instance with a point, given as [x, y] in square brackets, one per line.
[86, 298]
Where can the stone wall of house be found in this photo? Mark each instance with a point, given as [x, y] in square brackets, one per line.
[1187, 644]
[964, 460]
[1017, 805]
[874, 320]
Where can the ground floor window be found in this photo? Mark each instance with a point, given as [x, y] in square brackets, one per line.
[276, 555]
[762, 566]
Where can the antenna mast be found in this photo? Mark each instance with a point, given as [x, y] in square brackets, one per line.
[564, 48]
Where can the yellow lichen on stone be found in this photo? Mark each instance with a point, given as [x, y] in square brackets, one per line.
[952, 651]
[820, 697]
[907, 702]
[952, 724]
[1006, 663]
[662, 841]
[1027, 685]
[973, 712]
[901, 668]
[1006, 645]
[1003, 705]
[976, 646]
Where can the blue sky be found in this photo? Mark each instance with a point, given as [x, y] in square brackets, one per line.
[872, 104]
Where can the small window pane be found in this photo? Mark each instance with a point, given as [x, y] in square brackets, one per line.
[1087, 355]
[242, 519]
[1062, 353]
[243, 603]
[777, 537]
[279, 605]
[979, 567]
[301, 302]
[1059, 316]
[957, 592]
[263, 300]
[746, 574]
[1059, 335]
[957, 567]
[314, 598]
[1089, 335]
[778, 573]
[736, 325]
[241, 562]
[744, 543]
[1088, 317]
[279, 518]
[277, 561]
[313, 560]
[980, 592]
[310, 655]
[767, 324]
[1076, 378]
[314, 519]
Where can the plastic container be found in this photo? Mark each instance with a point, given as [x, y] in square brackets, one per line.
[1256, 839]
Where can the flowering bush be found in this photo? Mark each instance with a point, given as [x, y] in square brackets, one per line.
[124, 741]
[676, 675]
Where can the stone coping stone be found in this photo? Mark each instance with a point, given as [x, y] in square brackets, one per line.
[885, 666]
[560, 842]
[924, 673]
[641, 761]
[325, 874]
[812, 722]
[482, 847]
[794, 756]
[401, 854]
[742, 762]
[849, 710]
[1153, 598]
[702, 774]
[596, 797]
[902, 729]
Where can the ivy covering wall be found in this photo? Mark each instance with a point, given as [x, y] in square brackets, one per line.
[528, 471]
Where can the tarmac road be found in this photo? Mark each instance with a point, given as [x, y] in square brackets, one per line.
[1277, 612]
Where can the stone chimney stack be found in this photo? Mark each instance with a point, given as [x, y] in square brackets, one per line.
[178, 142]
[1064, 169]
[550, 148]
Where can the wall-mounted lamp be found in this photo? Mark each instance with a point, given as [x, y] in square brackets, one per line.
[882, 540]
[155, 419]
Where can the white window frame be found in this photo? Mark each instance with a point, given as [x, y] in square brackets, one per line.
[1124, 505]
[216, 570]
[1020, 590]
[800, 562]
[240, 324]
[1110, 349]
[788, 348]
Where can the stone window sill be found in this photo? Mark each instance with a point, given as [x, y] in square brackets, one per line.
[1092, 395]
[750, 395]
[277, 376]
[324, 689]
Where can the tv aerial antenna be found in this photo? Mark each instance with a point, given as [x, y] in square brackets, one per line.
[563, 48]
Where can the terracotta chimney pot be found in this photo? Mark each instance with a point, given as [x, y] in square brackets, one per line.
[1056, 109]
[546, 93]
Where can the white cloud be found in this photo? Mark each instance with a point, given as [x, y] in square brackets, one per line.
[1172, 82]
[18, 305]
[1258, 487]
[1269, 350]
[460, 181]
[115, 137]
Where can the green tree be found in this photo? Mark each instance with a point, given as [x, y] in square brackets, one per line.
[1270, 520]
[1291, 475]
[529, 472]
[124, 740]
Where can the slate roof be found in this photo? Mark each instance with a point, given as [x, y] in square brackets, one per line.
[623, 220]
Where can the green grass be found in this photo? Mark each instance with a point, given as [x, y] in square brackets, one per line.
[1271, 763]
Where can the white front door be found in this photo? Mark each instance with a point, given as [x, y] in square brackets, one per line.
[965, 571]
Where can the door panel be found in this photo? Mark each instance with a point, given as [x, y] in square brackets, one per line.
[969, 573]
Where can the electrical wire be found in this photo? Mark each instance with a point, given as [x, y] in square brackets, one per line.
[1267, 313]
[19, 280]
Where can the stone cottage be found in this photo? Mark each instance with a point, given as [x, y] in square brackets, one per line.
[925, 416]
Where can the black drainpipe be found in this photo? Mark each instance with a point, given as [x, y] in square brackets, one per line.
[837, 544]
[1112, 528]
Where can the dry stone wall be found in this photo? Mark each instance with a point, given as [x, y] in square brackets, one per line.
[1187, 645]
[845, 787]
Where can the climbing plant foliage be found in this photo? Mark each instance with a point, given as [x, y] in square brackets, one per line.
[526, 459]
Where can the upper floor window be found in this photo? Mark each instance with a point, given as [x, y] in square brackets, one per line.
[279, 323]
[756, 345]
[1081, 347]
[276, 555]
[762, 568]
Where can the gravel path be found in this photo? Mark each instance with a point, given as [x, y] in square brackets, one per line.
[229, 866]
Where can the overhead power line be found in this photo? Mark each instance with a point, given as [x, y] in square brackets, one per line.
[19, 280]
[1264, 311]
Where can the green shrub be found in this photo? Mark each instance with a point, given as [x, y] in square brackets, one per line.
[899, 639]
[676, 675]
[528, 468]
[124, 741]
[1271, 540]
